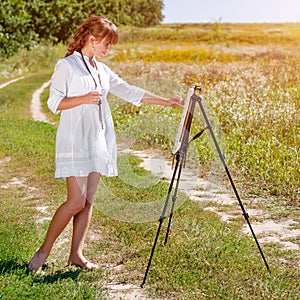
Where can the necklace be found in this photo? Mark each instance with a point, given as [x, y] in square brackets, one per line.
[96, 85]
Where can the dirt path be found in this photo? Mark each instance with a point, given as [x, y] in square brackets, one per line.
[36, 107]
[9, 82]
[223, 203]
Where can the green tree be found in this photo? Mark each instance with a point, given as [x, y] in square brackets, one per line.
[24, 23]
[14, 27]
[55, 20]
[146, 13]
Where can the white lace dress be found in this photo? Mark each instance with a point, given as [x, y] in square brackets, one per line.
[83, 143]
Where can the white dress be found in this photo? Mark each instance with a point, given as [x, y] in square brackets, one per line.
[83, 144]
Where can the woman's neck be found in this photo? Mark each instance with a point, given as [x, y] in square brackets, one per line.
[89, 54]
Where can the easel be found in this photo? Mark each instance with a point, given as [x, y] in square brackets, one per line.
[179, 152]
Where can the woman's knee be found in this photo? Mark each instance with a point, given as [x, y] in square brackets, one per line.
[76, 205]
[88, 204]
[81, 192]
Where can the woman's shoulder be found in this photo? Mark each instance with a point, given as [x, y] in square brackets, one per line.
[70, 58]
[62, 64]
[70, 62]
[64, 60]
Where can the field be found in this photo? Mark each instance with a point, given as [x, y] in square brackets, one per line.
[250, 77]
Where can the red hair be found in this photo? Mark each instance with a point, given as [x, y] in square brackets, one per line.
[100, 27]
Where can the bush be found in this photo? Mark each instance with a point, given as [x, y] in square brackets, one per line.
[23, 23]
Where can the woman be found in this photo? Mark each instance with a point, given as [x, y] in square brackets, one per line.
[85, 141]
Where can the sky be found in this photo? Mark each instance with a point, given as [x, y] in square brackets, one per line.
[231, 11]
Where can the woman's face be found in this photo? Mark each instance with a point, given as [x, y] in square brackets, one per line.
[102, 47]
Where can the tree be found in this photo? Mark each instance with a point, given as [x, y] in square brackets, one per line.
[146, 13]
[56, 20]
[24, 23]
[14, 24]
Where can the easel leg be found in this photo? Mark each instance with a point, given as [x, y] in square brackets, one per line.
[174, 198]
[246, 216]
[177, 167]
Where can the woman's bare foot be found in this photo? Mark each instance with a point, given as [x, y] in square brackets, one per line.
[83, 263]
[37, 260]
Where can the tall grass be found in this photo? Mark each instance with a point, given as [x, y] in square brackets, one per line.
[258, 109]
[255, 106]
[216, 33]
[41, 58]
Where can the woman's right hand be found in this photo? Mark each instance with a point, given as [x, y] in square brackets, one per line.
[92, 98]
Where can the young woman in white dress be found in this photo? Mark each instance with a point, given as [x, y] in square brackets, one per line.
[85, 141]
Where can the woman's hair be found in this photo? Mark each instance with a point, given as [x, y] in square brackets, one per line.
[100, 27]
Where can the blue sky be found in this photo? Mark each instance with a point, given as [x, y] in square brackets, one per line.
[235, 11]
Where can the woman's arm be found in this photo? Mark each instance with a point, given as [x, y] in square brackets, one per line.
[133, 94]
[90, 98]
[150, 98]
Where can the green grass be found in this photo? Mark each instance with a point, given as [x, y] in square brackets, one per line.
[30, 147]
[204, 258]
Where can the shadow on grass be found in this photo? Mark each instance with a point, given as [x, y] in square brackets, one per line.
[57, 276]
[10, 266]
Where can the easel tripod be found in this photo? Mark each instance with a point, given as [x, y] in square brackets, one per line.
[180, 156]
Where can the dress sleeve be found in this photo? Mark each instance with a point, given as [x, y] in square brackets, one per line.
[124, 90]
[60, 82]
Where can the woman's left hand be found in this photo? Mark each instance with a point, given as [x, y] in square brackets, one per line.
[176, 100]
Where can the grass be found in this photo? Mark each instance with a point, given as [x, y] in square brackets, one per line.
[205, 258]
[251, 93]
[253, 106]
[216, 33]
[173, 55]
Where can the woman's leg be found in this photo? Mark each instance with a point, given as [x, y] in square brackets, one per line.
[76, 200]
[81, 223]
